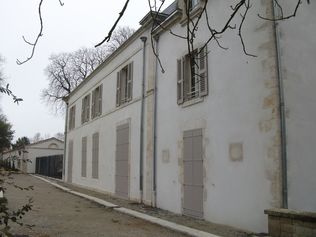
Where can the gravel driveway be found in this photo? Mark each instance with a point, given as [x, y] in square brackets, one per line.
[56, 213]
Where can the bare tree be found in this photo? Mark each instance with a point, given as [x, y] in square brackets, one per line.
[37, 137]
[60, 136]
[67, 70]
[119, 36]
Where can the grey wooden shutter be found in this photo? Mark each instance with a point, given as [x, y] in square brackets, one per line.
[73, 117]
[100, 100]
[129, 86]
[70, 161]
[83, 110]
[93, 104]
[118, 89]
[179, 81]
[95, 155]
[70, 119]
[203, 77]
[84, 157]
[88, 108]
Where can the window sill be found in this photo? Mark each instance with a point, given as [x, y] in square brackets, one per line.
[192, 102]
[96, 116]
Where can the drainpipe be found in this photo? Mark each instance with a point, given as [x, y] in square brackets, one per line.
[155, 130]
[282, 112]
[141, 148]
[65, 141]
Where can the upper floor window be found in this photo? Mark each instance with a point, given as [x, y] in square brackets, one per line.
[96, 106]
[72, 116]
[193, 4]
[124, 85]
[85, 110]
[192, 78]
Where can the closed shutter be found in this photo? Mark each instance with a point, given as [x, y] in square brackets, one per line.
[84, 157]
[70, 160]
[73, 116]
[118, 90]
[95, 155]
[83, 110]
[93, 104]
[99, 109]
[193, 173]
[203, 77]
[70, 119]
[88, 108]
[179, 81]
[129, 86]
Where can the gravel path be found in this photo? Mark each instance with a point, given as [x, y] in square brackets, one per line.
[56, 213]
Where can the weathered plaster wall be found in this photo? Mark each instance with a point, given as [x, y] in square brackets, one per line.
[239, 119]
[106, 125]
[298, 54]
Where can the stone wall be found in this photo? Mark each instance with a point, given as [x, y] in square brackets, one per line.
[290, 223]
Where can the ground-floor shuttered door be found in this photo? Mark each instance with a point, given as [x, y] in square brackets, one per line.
[121, 164]
[70, 160]
[193, 173]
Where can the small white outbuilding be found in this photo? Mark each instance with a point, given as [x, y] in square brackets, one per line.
[24, 158]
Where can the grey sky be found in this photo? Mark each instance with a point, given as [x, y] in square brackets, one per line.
[77, 24]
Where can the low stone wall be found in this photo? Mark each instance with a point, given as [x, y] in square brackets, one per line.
[290, 223]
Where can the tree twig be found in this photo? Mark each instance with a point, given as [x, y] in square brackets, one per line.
[108, 37]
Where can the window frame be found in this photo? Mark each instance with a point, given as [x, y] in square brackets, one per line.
[96, 103]
[186, 91]
[85, 109]
[72, 117]
[193, 4]
[124, 85]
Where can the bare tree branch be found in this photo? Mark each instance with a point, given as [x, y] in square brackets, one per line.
[282, 17]
[108, 37]
[243, 17]
[37, 38]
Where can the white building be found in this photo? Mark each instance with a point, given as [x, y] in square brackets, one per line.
[25, 158]
[220, 148]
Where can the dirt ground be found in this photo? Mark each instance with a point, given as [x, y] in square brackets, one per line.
[58, 214]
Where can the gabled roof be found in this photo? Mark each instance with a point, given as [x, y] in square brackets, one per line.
[35, 143]
[45, 140]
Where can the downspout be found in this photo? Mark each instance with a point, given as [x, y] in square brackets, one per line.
[141, 148]
[281, 111]
[65, 141]
[155, 129]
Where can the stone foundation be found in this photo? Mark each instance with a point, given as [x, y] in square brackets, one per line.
[290, 223]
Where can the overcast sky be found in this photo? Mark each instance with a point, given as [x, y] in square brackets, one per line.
[77, 24]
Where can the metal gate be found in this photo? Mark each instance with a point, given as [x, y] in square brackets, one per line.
[122, 154]
[51, 166]
[193, 173]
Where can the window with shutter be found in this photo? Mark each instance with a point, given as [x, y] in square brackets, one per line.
[93, 105]
[72, 114]
[85, 110]
[96, 104]
[100, 100]
[193, 4]
[192, 78]
[124, 84]
[118, 89]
